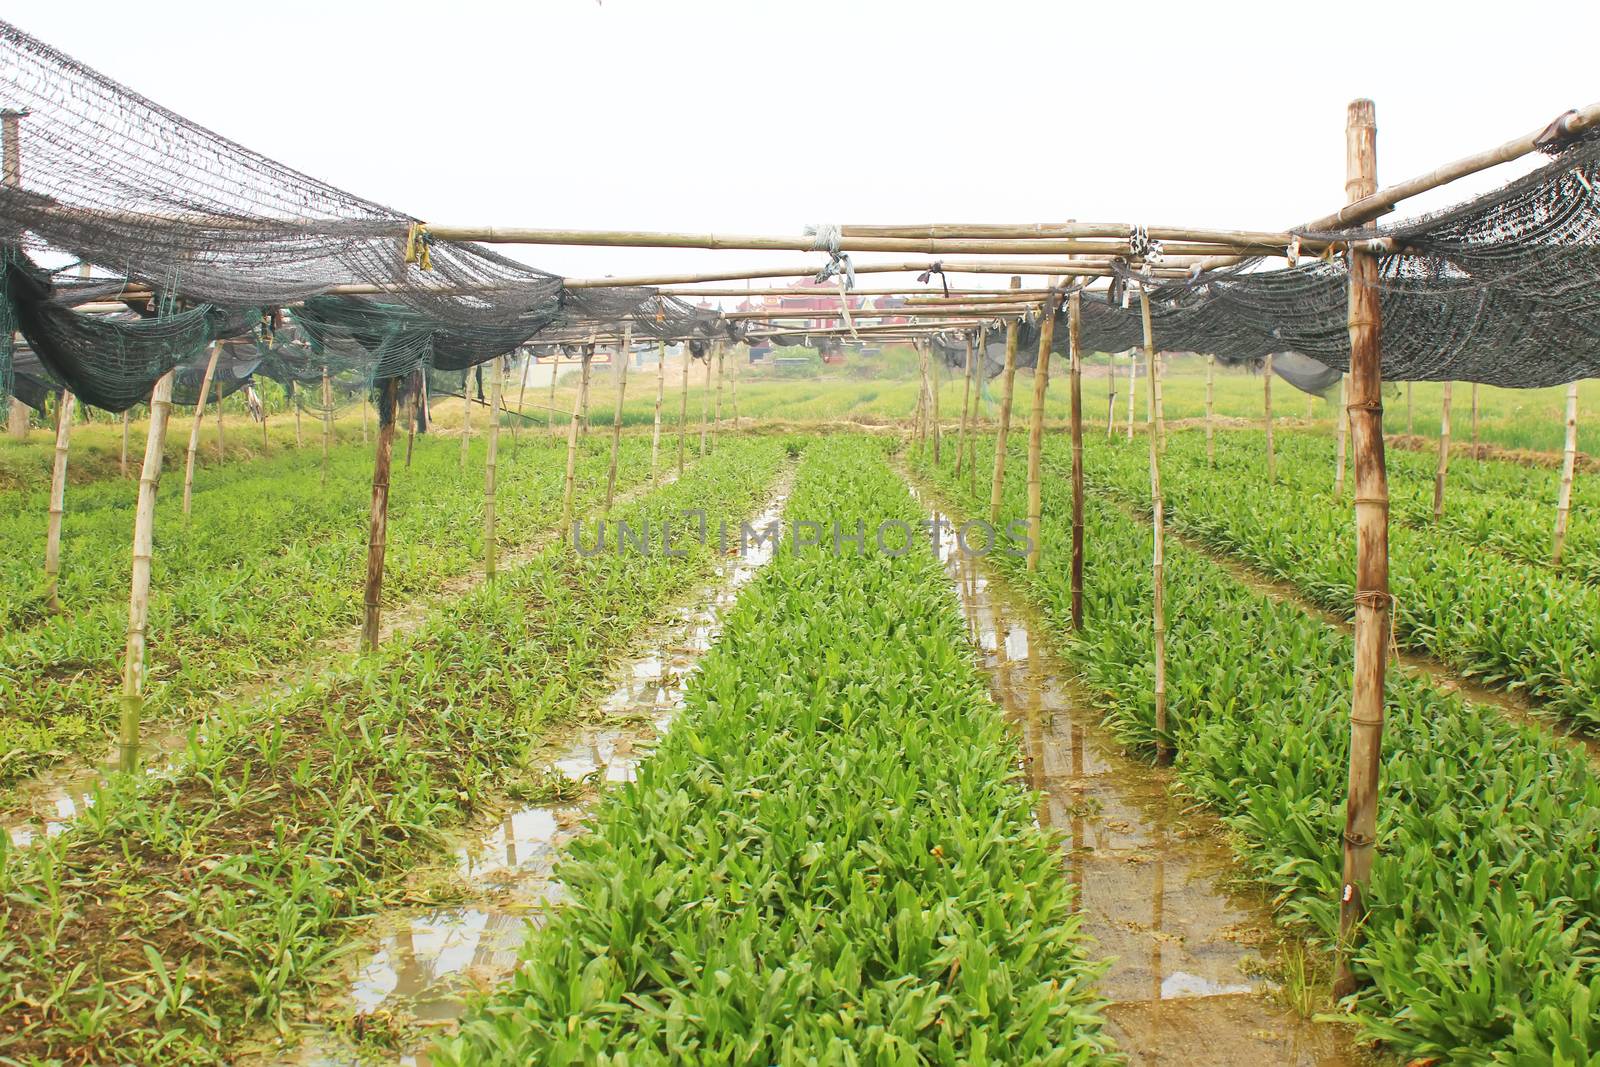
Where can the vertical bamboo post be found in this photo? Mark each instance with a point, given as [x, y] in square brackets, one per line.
[466, 414]
[222, 441]
[294, 399]
[1158, 394]
[1157, 553]
[705, 397]
[616, 418]
[733, 383]
[716, 424]
[683, 407]
[977, 399]
[1266, 402]
[58, 500]
[1041, 383]
[327, 422]
[122, 463]
[661, 392]
[1008, 384]
[194, 428]
[922, 395]
[1075, 355]
[491, 462]
[522, 395]
[11, 177]
[1372, 600]
[1111, 394]
[1343, 417]
[144, 520]
[1443, 469]
[966, 402]
[413, 399]
[378, 517]
[1474, 420]
[1133, 380]
[573, 432]
[1569, 462]
[933, 393]
[555, 373]
[1211, 410]
[1411, 427]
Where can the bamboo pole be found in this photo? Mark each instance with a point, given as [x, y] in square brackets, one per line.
[716, 424]
[1158, 393]
[977, 399]
[522, 396]
[573, 432]
[550, 408]
[1443, 468]
[1266, 405]
[1041, 382]
[1133, 380]
[1474, 420]
[491, 462]
[222, 441]
[922, 396]
[733, 383]
[139, 586]
[966, 403]
[58, 500]
[1111, 394]
[1211, 411]
[378, 517]
[122, 463]
[1343, 417]
[1569, 462]
[1373, 604]
[327, 422]
[466, 415]
[194, 428]
[705, 397]
[661, 392]
[294, 399]
[365, 403]
[11, 177]
[1411, 426]
[1164, 753]
[413, 398]
[1075, 355]
[586, 395]
[933, 396]
[1007, 385]
[616, 418]
[683, 407]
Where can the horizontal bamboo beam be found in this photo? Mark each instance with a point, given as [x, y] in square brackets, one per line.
[1075, 230]
[917, 290]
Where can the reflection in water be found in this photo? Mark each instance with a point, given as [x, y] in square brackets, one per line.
[1150, 876]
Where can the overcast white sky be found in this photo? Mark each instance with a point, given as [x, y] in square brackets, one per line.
[763, 116]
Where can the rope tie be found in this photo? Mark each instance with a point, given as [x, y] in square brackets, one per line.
[1372, 598]
[936, 267]
[839, 265]
[417, 241]
[1356, 839]
[825, 237]
[1292, 253]
[1369, 405]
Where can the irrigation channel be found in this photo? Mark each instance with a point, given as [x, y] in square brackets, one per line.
[421, 964]
[1156, 883]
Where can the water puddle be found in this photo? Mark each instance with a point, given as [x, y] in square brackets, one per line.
[425, 962]
[1155, 880]
[46, 804]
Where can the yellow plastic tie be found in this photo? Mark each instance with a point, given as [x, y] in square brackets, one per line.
[417, 241]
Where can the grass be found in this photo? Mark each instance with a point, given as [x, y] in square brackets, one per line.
[177, 915]
[831, 858]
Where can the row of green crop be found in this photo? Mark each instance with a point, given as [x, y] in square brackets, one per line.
[830, 860]
[1496, 619]
[175, 915]
[1503, 506]
[1481, 944]
[269, 561]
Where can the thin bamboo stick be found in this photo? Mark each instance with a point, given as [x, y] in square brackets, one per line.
[122, 463]
[522, 396]
[550, 407]
[222, 441]
[1569, 462]
[683, 407]
[933, 399]
[922, 397]
[491, 462]
[1007, 385]
[716, 424]
[1133, 388]
[1211, 411]
[58, 500]
[294, 400]
[1075, 354]
[733, 383]
[661, 392]
[616, 417]
[139, 586]
[194, 429]
[966, 403]
[1041, 382]
[1164, 751]
[378, 517]
[1343, 417]
[1111, 394]
[1373, 604]
[1411, 426]
[1443, 468]
[466, 415]
[413, 397]
[705, 398]
[1474, 420]
[1266, 407]
[327, 423]
[977, 399]
[573, 432]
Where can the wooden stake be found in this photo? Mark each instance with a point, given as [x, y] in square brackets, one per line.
[58, 500]
[1373, 603]
[378, 517]
[1343, 418]
[466, 414]
[1164, 751]
[683, 409]
[1008, 383]
[1041, 383]
[139, 587]
[491, 462]
[966, 403]
[413, 396]
[1569, 462]
[586, 392]
[194, 429]
[1211, 410]
[122, 464]
[616, 418]
[327, 422]
[705, 397]
[1266, 401]
[1075, 354]
[922, 396]
[661, 393]
[1443, 469]
[579, 402]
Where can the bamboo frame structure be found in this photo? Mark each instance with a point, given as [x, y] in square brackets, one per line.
[616, 417]
[966, 405]
[490, 463]
[1041, 382]
[1211, 410]
[1266, 407]
[378, 514]
[1569, 462]
[1373, 603]
[1003, 430]
[1164, 752]
[194, 428]
[573, 435]
[1075, 371]
[661, 391]
[144, 520]
[58, 501]
[1442, 471]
